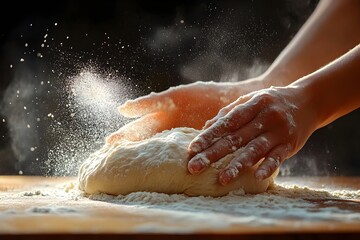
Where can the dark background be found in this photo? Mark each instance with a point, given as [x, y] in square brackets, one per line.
[150, 45]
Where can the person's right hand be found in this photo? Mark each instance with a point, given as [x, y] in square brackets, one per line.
[188, 105]
[270, 125]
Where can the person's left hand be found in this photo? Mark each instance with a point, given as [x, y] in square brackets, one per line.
[188, 105]
[271, 124]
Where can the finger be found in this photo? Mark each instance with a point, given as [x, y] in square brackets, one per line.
[115, 136]
[218, 150]
[141, 128]
[272, 162]
[237, 117]
[220, 114]
[147, 104]
[252, 153]
[223, 147]
[225, 110]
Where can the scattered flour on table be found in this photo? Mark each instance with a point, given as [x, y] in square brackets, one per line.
[151, 175]
[283, 202]
[280, 203]
[47, 194]
[33, 193]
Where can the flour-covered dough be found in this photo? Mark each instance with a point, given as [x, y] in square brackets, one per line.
[158, 164]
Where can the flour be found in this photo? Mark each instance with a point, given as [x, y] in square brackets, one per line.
[296, 206]
[29, 194]
[51, 210]
[280, 203]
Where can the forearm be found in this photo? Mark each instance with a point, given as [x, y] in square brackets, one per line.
[331, 30]
[333, 90]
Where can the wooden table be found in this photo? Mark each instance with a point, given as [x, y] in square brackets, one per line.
[22, 214]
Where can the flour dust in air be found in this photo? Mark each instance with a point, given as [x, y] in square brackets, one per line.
[87, 114]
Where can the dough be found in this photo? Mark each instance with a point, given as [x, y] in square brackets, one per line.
[158, 164]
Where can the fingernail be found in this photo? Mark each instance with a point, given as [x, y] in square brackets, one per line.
[261, 174]
[208, 123]
[227, 175]
[198, 163]
[123, 106]
[195, 148]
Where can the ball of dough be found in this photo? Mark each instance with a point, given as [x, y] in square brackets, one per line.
[159, 164]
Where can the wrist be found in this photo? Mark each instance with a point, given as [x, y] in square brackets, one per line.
[312, 96]
[334, 89]
[277, 76]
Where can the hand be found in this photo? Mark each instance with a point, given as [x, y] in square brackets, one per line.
[271, 124]
[183, 106]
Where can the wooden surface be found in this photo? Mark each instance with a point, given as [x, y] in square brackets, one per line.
[22, 212]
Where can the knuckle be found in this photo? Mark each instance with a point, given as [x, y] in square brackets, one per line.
[274, 162]
[266, 98]
[251, 153]
[271, 163]
[236, 163]
[233, 140]
[226, 122]
[290, 148]
[263, 141]
[258, 146]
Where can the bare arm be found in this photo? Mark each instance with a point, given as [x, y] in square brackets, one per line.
[333, 90]
[332, 30]
[273, 124]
